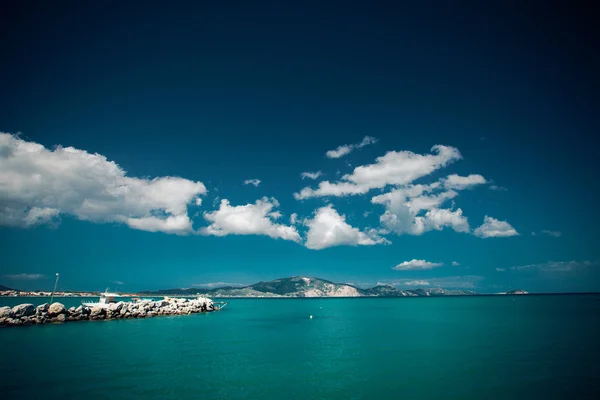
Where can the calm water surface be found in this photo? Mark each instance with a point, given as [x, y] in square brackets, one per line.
[443, 348]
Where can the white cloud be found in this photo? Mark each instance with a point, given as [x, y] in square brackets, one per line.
[198, 201]
[501, 269]
[348, 148]
[39, 216]
[172, 224]
[311, 175]
[416, 265]
[417, 283]
[328, 228]
[404, 208]
[38, 184]
[447, 282]
[404, 221]
[555, 266]
[118, 283]
[394, 168]
[494, 228]
[254, 182]
[498, 188]
[455, 263]
[551, 233]
[24, 277]
[439, 218]
[249, 219]
[340, 151]
[293, 219]
[463, 182]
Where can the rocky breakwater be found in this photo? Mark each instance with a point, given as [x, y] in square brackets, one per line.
[28, 314]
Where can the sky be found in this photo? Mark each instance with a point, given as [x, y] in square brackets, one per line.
[203, 144]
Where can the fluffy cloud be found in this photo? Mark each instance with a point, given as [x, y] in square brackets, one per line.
[405, 221]
[254, 182]
[293, 219]
[498, 188]
[348, 148]
[494, 228]
[463, 182]
[416, 265]
[311, 175]
[394, 168]
[501, 269]
[455, 263]
[328, 228]
[555, 266]
[417, 283]
[249, 219]
[38, 184]
[24, 277]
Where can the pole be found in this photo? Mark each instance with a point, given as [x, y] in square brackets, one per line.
[54, 290]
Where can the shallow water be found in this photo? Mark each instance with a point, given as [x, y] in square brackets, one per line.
[453, 347]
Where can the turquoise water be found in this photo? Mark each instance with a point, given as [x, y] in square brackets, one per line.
[445, 348]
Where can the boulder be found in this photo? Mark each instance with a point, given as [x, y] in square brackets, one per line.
[42, 308]
[97, 311]
[56, 309]
[5, 312]
[23, 310]
[60, 318]
[115, 308]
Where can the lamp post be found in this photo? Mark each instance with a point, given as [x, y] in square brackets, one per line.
[54, 290]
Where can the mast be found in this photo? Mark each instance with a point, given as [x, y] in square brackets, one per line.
[54, 290]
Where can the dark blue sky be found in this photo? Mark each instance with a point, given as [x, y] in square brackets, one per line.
[219, 93]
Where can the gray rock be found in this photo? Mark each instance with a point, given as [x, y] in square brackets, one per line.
[23, 310]
[5, 312]
[60, 318]
[42, 309]
[56, 309]
[97, 311]
[79, 309]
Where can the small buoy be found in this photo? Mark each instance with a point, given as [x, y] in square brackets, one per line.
[311, 317]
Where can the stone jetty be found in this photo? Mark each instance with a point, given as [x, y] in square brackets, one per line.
[28, 314]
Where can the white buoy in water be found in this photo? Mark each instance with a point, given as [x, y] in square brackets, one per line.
[311, 317]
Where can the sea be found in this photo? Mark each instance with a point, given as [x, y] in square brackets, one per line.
[482, 347]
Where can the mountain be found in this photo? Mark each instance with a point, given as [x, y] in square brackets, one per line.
[301, 286]
[517, 291]
[3, 288]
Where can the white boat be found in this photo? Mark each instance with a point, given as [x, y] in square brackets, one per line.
[106, 299]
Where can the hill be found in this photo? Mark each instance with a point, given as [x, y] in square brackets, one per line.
[301, 286]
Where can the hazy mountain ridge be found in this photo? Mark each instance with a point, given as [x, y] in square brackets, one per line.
[301, 286]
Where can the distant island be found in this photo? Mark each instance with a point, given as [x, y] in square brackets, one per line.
[302, 286]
